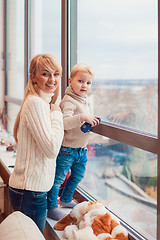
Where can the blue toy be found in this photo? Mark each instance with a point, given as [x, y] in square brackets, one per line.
[86, 127]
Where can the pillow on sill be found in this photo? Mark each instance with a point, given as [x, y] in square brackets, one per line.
[18, 226]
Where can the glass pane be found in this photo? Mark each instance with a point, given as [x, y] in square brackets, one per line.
[119, 39]
[46, 28]
[124, 179]
[15, 48]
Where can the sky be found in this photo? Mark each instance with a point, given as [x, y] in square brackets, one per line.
[119, 38]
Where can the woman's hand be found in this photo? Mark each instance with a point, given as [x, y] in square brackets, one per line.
[55, 107]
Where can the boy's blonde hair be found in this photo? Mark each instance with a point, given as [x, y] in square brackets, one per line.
[40, 61]
[81, 67]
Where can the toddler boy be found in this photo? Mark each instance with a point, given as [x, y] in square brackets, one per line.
[73, 152]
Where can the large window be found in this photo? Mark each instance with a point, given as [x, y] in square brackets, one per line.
[119, 40]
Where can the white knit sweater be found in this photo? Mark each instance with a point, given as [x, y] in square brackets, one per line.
[40, 136]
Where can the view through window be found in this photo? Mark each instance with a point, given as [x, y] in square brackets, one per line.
[124, 179]
[119, 40]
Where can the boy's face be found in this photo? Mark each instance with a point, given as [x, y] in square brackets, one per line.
[81, 83]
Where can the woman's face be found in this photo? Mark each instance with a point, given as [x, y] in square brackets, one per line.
[47, 81]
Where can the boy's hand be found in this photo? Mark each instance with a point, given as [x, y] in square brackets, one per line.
[55, 107]
[89, 119]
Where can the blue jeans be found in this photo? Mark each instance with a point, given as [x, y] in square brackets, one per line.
[33, 204]
[68, 158]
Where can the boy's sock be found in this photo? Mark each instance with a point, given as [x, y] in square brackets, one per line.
[67, 205]
[55, 213]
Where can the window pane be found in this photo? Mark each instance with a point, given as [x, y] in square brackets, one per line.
[119, 39]
[15, 48]
[46, 27]
[124, 178]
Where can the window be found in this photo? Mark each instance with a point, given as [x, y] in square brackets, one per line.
[15, 55]
[119, 40]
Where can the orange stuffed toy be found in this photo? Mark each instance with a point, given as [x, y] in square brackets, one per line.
[91, 221]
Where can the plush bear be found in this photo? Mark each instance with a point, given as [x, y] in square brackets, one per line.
[91, 221]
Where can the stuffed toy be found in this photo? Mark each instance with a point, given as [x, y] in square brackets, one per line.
[91, 221]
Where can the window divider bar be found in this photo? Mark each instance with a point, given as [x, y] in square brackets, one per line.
[64, 45]
[73, 32]
[13, 100]
[26, 43]
[133, 138]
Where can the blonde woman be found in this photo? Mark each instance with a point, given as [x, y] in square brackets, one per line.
[38, 131]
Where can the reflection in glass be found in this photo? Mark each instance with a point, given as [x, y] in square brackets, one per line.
[119, 39]
[124, 178]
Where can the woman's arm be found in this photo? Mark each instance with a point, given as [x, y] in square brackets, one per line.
[46, 127]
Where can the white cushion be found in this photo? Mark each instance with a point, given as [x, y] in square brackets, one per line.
[18, 226]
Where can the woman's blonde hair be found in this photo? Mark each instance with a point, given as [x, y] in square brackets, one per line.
[81, 67]
[47, 62]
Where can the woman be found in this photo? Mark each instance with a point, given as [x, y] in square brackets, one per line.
[38, 131]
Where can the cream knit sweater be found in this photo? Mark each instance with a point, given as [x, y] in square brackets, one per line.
[40, 136]
[72, 106]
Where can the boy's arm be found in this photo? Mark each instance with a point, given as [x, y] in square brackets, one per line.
[72, 121]
[93, 120]
[69, 119]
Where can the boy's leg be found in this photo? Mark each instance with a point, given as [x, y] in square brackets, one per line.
[77, 174]
[63, 165]
[52, 202]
